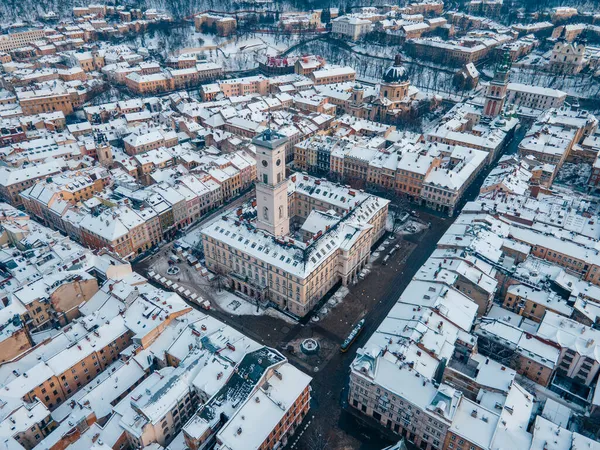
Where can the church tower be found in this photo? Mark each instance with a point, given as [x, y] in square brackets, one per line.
[495, 94]
[272, 185]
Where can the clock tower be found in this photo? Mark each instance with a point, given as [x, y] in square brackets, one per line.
[272, 185]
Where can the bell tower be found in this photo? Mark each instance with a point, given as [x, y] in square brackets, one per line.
[495, 95]
[272, 185]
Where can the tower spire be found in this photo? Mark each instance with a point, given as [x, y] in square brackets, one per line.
[505, 63]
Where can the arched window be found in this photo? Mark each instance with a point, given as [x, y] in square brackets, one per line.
[266, 213]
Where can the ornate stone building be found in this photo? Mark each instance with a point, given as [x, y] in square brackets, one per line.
[298, 240]
[394, 96]
[568, 57]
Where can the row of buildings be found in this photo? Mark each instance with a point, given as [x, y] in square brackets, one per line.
[123, 364]
[103, 212]
[410, 21]
[90, 24]
[504, 304]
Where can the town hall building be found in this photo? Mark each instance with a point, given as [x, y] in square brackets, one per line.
[301, 237]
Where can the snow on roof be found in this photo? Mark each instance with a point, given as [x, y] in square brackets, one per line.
[547, 140]
[10, 176]
[262, 411]
[548, 299]
[99, 339]
[138, 140]
[359, 209]
[455, 177]
[521, 340]
[9, 324]
[548, 436]
[153, 77]
[493, 374]
[449, 269]
[25, 417]
[112, 224]
[318, 221]
[551, 242]
[249, 374]
[474, 423]
[450, 303]
[497, 312]
[157, 157]
[557, 413]
[589, 309]
[415, 27]
[331, 72]
[568, 333]
[100, 396]
[536, 90]
[511, 431]
[148, 311]
[44, 287]
[352, 19]
[57, 434]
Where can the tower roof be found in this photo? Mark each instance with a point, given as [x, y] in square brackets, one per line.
[396, 73]
[502, 72]
[270, 139]
[505, 63]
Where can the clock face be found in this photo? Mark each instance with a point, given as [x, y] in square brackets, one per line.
[278, 162]
[265, 163]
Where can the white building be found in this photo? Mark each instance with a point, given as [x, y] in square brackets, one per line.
[13, 41]
[535, 97]
[351, 27]
[444, 186]
[567, 57]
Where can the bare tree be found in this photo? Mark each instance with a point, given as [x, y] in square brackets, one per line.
[220, 278]
[395, 219]
[527, 384]
[399, 205]
[318, 438]
[588, 426]
[504, 355]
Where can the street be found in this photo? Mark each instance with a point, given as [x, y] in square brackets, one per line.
[379, 292]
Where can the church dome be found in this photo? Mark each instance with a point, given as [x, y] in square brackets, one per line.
[396, 73]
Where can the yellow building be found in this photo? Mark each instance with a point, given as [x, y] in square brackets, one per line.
[336, 227]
